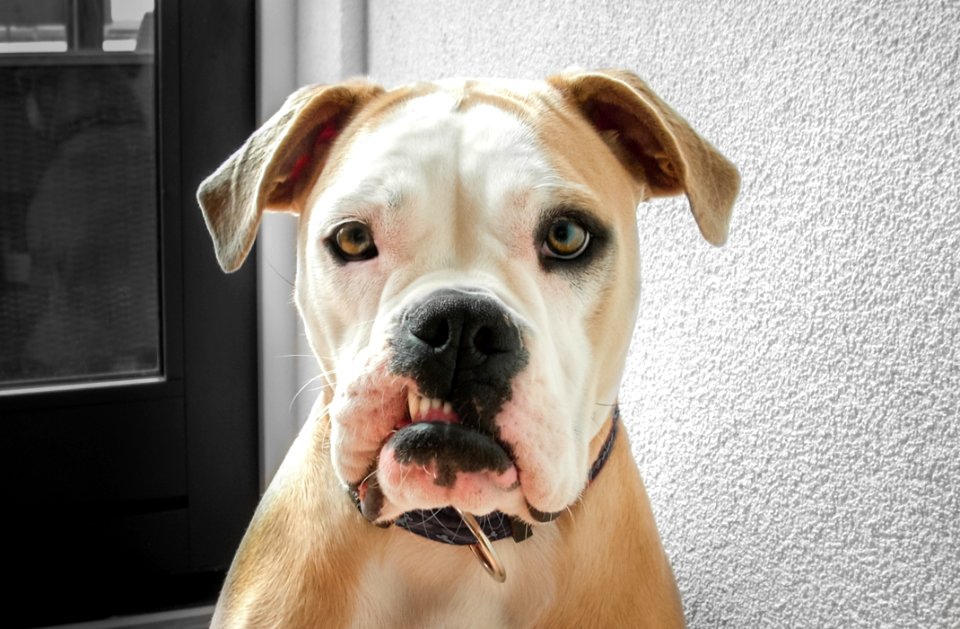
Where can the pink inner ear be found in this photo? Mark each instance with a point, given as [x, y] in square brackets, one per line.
[298, 166]
[325, 135]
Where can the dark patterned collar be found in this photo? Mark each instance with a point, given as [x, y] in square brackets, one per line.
[446, 525]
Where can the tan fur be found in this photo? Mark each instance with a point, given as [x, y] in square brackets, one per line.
[252, 179]
[687, 162]
[295, 565]
[309, 559]
[611, 536]
[298, 564]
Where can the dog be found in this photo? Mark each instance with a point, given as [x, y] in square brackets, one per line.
[468, 277]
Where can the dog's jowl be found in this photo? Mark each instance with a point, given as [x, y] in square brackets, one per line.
[468, 277]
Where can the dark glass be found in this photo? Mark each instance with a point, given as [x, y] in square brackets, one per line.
[79, 236]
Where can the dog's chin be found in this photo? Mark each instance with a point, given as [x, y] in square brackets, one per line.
[436, 464]
[400, 453]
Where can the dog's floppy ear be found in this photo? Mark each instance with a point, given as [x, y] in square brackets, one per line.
[655, 143]
[276, 165]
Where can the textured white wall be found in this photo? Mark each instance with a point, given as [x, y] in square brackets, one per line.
[792, 398]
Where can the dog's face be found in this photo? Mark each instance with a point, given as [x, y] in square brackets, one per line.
[470, 292]
[468, 272]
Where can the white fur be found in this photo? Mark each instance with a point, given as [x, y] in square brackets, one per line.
[413, 179]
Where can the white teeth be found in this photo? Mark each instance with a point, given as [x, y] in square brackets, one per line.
[419, 406]
[413, 404]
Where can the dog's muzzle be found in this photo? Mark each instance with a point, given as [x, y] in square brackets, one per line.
[462, 350]
[461, 347]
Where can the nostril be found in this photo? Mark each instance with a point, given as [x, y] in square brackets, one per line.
[435, 332]
[483, 341]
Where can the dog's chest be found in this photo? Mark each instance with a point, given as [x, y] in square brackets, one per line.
[385, 603]
[433, 585]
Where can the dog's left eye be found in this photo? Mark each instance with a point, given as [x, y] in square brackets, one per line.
[566, 239]
[352, 242]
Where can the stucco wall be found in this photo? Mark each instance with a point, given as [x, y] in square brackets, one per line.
[792, 398]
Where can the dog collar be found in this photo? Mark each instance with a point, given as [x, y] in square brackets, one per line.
[448, 525]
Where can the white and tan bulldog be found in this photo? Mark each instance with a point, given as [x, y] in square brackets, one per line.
[468, 277]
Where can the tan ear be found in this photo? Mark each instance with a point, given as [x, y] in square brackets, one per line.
[656, 144]
[276, 165]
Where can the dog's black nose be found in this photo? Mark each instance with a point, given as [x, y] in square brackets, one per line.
[458, 345]
[462, 331]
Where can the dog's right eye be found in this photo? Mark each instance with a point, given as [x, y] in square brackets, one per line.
[352, 242]
[566, 239]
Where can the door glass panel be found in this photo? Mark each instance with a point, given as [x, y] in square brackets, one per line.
[79, 234]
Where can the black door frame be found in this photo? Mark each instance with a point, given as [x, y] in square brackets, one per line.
[133, 498]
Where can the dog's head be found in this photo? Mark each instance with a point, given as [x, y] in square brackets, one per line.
[467, 270]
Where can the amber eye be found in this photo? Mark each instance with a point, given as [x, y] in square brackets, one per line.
[566, 239]
[353, 241]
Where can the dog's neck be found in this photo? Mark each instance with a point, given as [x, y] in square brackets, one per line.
[545, 583]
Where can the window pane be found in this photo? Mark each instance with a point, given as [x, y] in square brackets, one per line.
[79, 237]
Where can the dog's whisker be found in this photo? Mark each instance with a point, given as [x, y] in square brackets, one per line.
[372, 474]
[327, 372]
[301, 390]
[403, 478]
[277, 272]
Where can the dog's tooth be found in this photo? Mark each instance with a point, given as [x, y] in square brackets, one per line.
[447, 408]
[413, 404]
[436, 403]
[424, 406]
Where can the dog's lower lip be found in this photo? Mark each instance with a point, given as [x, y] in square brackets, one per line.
[453, 446]
[371, 498]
